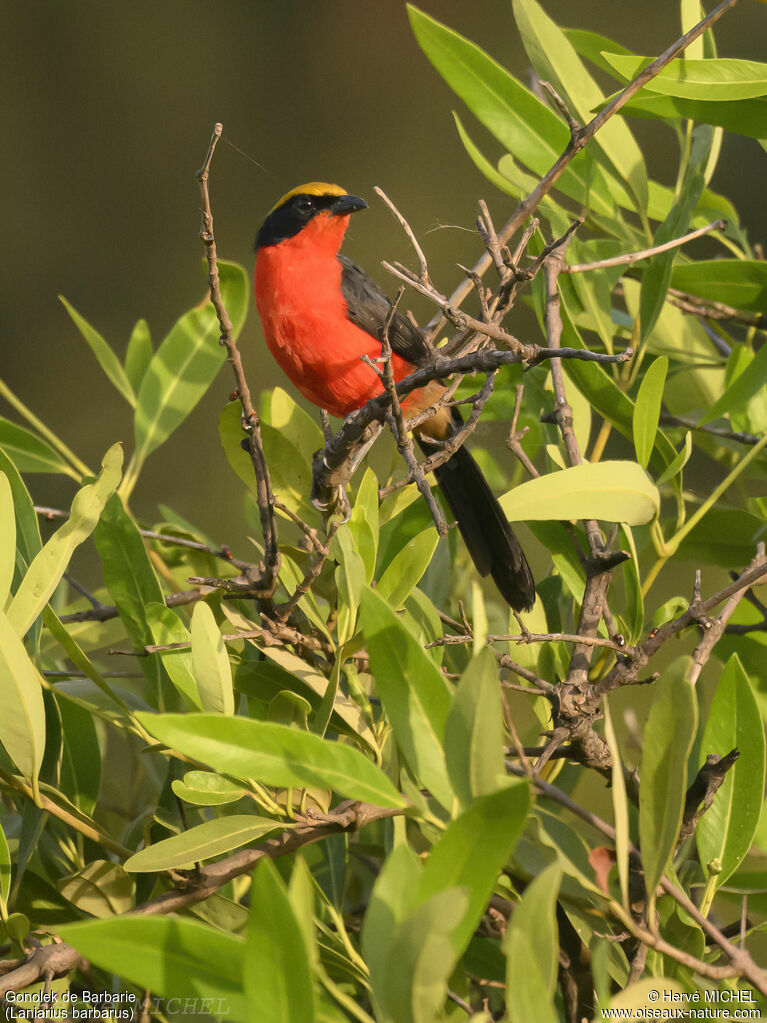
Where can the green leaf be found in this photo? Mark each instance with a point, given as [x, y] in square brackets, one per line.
[205, 789]
[22, 723]
[750, 379]
[274, 754]
[668, 738]
[283, 414]
[81, 756]
[291, 473]
[302, 902]
[655, 279]
[681, 460]
[412, 691]
[277, 979]
[30, 452]
[723, 79]
[350, 579]
[555, 60]
[737, 282]
[49, 565]
[185, 364]
[5, 875]
[620, 806]
[348, 716]
[392, 898]
[634, 613]
[105, 356]
[530, 944]
[101, 889]
[591, 46]
[509, 179]
[474, 731]
[724, 537]
[605, 396]
[171, 956]
[7, 539]
[130, 579]
[473, 850]
[166, 627]
[726, 830]
[407, 567]
[212, 838]
[421, 958]
[28, 539]
[647, 409]
[212, 672]
[746, 117]
[525, 126]
[138, 355]
[611, 491]
[364, 522]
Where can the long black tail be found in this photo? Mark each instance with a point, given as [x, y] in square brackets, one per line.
[485, 529]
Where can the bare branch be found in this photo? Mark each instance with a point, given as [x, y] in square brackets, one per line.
[266, 584]
[634, 257]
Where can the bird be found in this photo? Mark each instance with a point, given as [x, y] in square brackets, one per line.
[321, 313]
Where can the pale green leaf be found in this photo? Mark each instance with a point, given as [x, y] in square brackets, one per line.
[138, 354]
[5, 874]
[647, 409]
[22, 722]
[668, 738]
[611, 491]
[210, 661]
[726, 830]
[681, 460]
[49, 565]
[407, 567]
[167, 628]
[7, 539]
[720, 79]
[474, 731]
[205, 789]
[620, 806]
[274, 754]
[211, 838]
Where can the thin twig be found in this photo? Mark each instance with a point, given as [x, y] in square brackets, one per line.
[267, 583]
[105, 612]
[397, 424]
[634, 257]
[223, 552]
[424, 272]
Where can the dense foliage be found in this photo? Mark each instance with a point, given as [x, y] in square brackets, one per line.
[335, 813]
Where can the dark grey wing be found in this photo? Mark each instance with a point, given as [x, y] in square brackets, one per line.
[368, 306]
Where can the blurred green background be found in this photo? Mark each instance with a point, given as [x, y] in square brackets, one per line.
[108, 112]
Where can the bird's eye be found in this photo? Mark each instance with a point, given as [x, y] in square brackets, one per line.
[305, 204]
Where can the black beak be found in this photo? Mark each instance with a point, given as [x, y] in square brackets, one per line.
[346, 204]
